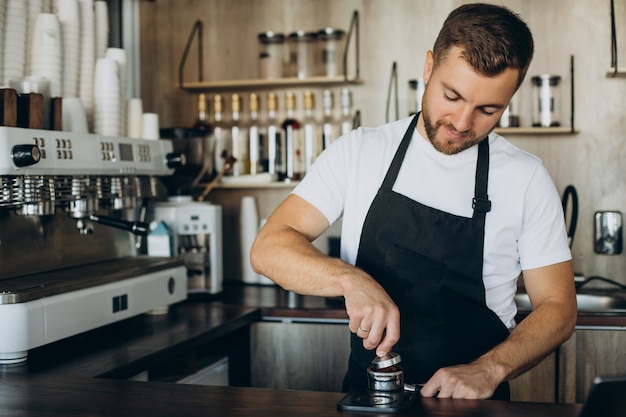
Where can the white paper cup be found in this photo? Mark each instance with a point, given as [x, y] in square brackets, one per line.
[74, 116]
[150, 126]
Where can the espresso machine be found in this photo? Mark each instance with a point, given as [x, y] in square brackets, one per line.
[72, 210]
[196, 232]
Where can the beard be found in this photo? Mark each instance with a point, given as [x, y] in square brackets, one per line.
[443, 145]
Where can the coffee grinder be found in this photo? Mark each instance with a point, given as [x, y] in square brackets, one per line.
[196, 233]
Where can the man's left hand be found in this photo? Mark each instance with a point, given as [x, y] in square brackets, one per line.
[470, 381]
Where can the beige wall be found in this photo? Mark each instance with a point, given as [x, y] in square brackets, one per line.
[402, 31]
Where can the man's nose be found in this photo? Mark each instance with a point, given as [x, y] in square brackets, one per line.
[463, 119]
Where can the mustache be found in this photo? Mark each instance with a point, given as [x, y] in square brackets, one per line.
[451, 127]
[467, 134]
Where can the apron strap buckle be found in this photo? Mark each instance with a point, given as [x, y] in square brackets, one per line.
[481, 205]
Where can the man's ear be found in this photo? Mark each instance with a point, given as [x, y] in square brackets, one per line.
[428, 66]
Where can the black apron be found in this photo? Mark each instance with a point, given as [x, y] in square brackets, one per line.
[430, 262]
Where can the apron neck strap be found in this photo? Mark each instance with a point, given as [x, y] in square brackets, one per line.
[481, 203]
[396, 163]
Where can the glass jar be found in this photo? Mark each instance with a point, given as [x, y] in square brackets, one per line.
[546, 100]
[510, 116]
[271, 55]
[331, 46]
[301, 62]
[416, 92]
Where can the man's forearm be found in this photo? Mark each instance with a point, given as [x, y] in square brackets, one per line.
[532, 340]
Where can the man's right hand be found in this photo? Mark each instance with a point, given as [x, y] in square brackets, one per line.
[374, 317]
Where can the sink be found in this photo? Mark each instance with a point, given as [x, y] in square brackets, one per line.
[586, 302]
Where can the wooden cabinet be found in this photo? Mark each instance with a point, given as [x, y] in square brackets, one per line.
[302, 356]
[592, 351]
[567, 374]
[538, 384]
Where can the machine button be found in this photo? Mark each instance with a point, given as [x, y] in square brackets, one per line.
[25, 155]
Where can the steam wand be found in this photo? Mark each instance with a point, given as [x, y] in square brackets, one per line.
[137, 228]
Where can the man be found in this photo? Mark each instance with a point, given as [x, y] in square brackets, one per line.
[440, 218]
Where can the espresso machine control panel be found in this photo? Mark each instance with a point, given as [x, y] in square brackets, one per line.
[47, 152]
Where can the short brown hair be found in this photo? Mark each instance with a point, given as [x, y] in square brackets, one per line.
[491, 37]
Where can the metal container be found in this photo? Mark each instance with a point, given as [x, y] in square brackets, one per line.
[385, 373]
[386, 379]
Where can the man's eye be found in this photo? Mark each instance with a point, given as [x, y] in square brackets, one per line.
[447, 97]
[488, 112]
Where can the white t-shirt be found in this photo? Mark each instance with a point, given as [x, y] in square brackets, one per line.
[525, 228]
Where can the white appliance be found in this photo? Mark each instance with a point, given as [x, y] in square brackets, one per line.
[196, 229]
[43, 308]
[63, 270]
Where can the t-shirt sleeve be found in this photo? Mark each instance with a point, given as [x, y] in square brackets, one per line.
[324, 185]
[543, 238]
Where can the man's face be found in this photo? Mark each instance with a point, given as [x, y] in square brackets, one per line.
[460, 107]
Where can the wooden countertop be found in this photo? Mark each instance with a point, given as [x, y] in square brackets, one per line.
[73, 377]
[126, 347]
[69, 396]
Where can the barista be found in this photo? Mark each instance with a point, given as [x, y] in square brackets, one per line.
[440, 218]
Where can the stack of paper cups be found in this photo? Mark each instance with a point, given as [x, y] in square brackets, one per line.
[119, 55]
[248, 229]
[69, 16]
[87, 57]
[47, 51]
[106, 98]
[33, 8]
[15, 23]
[101, 19]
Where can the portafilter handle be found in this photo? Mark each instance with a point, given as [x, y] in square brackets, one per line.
[137, 228]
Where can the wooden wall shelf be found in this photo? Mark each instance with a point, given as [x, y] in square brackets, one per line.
[232, 85]
[565, 130]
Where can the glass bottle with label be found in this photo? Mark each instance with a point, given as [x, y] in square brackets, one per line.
[221, 133]
[202, 119]
[312, 142]
[273, 155]
[239, 137]
[347, 121]
[330, 127]
[256, 137]
[294, 142]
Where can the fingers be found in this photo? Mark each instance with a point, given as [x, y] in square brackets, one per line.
[380, 331]
[374, 317]
[456, 382]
